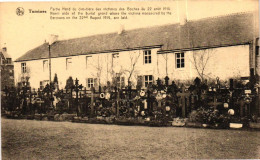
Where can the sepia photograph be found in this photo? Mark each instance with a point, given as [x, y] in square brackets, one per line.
[130, 80]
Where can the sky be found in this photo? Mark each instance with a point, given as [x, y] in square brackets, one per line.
[23, 33]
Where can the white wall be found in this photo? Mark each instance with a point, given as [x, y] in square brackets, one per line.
[99, 64]
[224, 62]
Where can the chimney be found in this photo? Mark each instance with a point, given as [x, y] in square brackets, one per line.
[4, 49]
[121, 29]
[182, 11]
[53, 38]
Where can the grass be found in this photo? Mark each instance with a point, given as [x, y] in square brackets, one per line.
[31, 139]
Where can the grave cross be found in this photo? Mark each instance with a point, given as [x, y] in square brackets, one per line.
[6, 91]
[166, 80]
[215, 102]
[183, 96]
[77, 87]
[159, 84]
[25, 88]
[39, 93]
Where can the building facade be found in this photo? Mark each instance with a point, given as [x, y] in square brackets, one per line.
[7, 69]
[224, 47]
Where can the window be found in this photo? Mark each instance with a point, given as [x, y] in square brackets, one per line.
[147, 57]
[179, 60]
[68, 63]
[23, 66]
[90, 82]
[148, 80]
[115, 59]
[119, 81]
[8, 60]
[88, 60]
[45, 65]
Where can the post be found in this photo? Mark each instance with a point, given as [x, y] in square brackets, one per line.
[149, 102]
[182, 98]
[92, 102]
[117, 101]
[183, 107]
[77, 96]
[50, 75]
[231, 90]
[50, 63]
[166, 81]
[258, 101]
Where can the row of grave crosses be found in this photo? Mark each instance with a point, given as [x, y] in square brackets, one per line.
[163, 93]
[223, 98]
[198, 92]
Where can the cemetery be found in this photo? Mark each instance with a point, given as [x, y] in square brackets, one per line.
[215, 104]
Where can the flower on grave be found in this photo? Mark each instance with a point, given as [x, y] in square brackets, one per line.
[164, 96]
[136, 97]
[225, 105]
[168, 108]
[231, 112]
[107, 96]
[147, 119]
[142, 93]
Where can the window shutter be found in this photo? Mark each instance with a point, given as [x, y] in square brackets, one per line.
[95, 84]
[87, 83]
[122, 82]
[140, 82]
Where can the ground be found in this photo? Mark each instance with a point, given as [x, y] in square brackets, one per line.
[31, 139]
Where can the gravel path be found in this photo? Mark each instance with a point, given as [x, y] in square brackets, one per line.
[31, 139]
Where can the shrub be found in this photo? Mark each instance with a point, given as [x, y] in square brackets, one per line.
[207, 115]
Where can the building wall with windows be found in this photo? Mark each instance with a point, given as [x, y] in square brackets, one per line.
[223, 62]
[96, 69]
[145, 65]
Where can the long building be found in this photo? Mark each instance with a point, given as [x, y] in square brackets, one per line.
[225, 47]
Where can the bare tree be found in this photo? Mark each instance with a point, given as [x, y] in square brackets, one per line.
[132, 56]
[133, 62]
[165, 56]
[98, 66]
[200, 61]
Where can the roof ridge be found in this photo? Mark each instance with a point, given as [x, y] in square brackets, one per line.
[221, 16]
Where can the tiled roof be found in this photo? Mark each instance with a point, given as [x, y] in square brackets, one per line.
[216, 31]
[5, 54]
